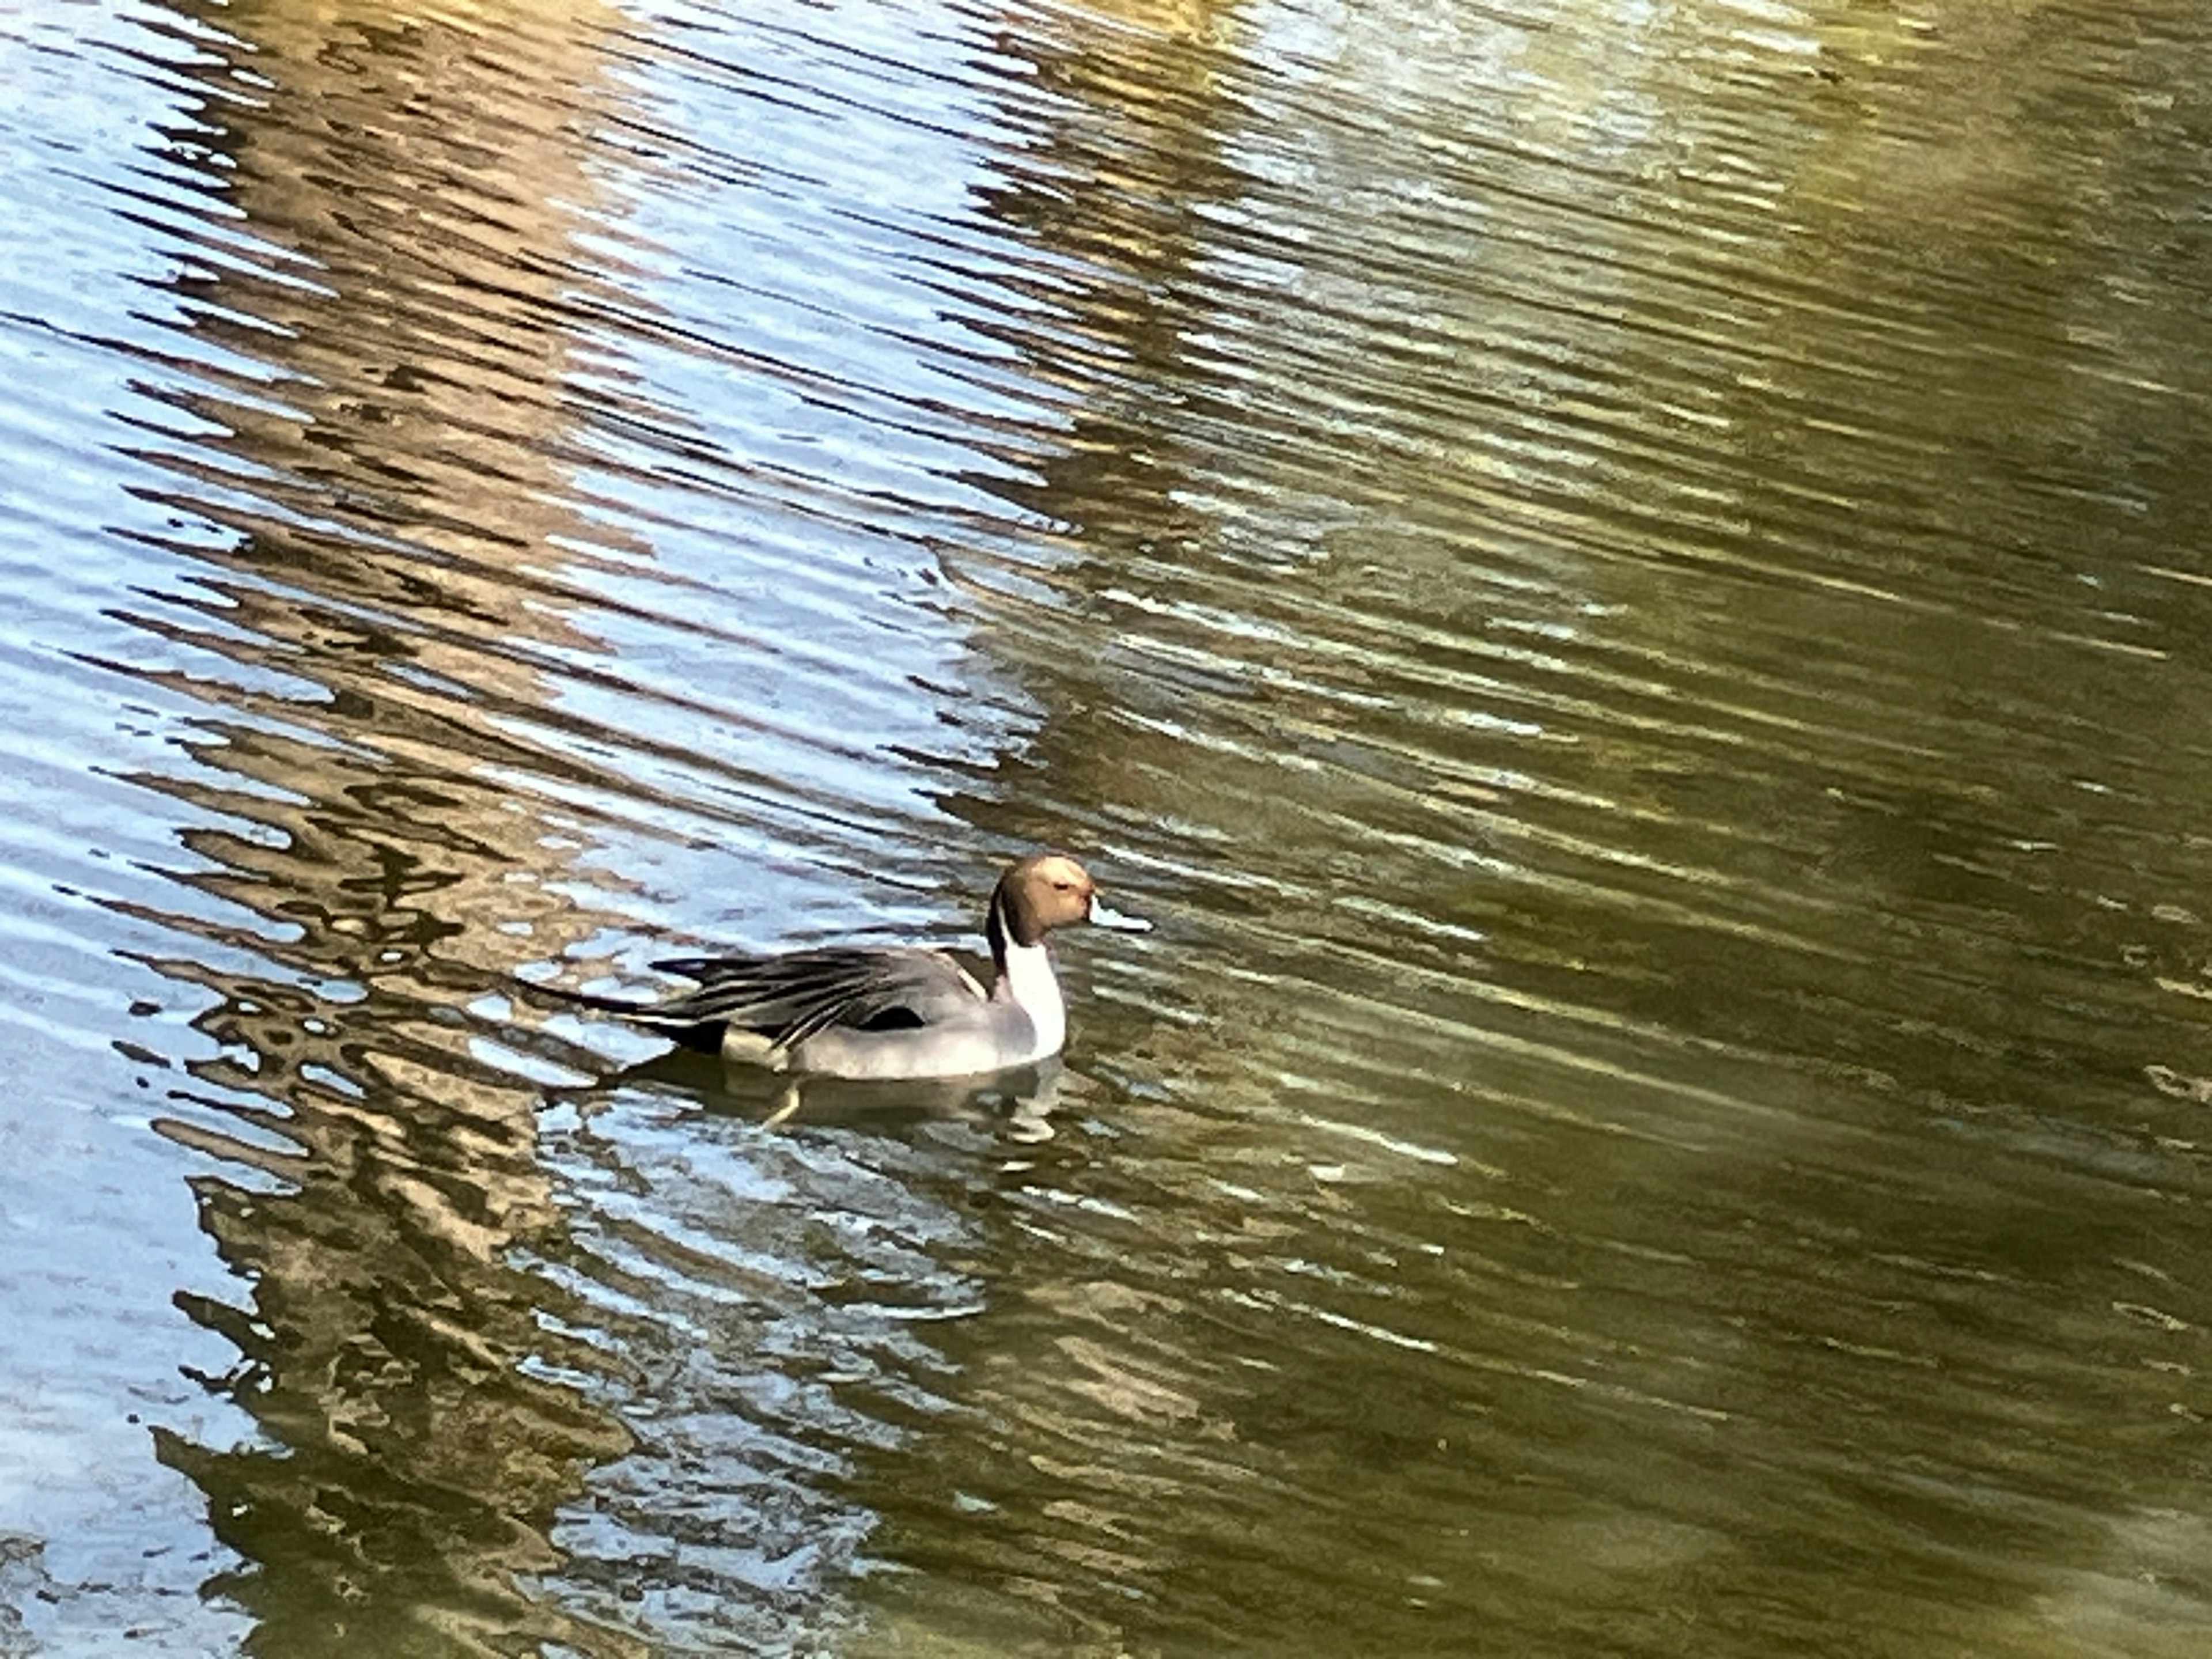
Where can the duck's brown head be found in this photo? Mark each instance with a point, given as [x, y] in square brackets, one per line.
[1039, 893]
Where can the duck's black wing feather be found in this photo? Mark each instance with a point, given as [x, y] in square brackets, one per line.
[787, 998]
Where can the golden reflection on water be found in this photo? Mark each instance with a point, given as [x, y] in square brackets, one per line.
[390, 473]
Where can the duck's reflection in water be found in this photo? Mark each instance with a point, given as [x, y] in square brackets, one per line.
[780, 1263]
[1017, 1105]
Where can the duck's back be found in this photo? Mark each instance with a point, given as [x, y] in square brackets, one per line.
[787, 997]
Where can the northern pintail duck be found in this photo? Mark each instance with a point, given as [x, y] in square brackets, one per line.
[890, 1012]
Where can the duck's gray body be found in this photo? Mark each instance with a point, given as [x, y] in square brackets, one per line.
[904, 1012]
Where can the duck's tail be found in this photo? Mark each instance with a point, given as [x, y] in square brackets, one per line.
[667, 1019]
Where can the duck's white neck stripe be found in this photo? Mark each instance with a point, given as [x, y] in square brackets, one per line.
[1030, 983]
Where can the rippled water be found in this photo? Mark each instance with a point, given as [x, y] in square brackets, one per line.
[1628, 585]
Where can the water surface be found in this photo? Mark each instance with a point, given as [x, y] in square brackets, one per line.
[1627, 585]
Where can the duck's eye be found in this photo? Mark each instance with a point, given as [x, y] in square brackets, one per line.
[1063, 887]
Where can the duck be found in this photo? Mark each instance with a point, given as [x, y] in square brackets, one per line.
[889, 1013]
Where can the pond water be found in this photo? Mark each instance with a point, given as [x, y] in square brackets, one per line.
[1628, 586]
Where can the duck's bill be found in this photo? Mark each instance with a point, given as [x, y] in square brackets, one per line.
[1100, 916]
